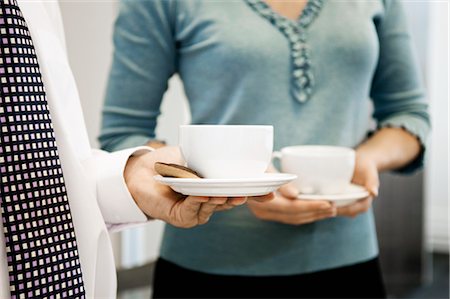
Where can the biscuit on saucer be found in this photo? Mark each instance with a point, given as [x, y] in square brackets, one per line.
[175, 171]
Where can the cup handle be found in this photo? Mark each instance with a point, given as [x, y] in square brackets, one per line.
[277, 155]
[271, 167]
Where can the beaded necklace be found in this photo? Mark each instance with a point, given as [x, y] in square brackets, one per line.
[296, 33]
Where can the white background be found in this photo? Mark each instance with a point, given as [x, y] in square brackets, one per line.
[88, 27]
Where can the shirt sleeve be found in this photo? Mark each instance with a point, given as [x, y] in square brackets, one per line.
[115, 201]
[397, 90]
[143, 62]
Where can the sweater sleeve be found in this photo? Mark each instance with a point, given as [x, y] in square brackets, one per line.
[143, 61]
[397, 90]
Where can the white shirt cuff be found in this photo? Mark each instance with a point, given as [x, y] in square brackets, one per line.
[114, 199]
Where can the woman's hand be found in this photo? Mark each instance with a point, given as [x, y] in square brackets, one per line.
[233, 202]
[161, 202]
[387, 149]
[366, 175]
[286, 208]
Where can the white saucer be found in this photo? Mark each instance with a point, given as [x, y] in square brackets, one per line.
[262, 185]
[352, 194]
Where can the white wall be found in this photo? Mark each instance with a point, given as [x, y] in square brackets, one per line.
[429, 27]
[142, 245]
[88, 27]
[437, 178]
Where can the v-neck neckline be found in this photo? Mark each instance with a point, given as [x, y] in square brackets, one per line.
[295, 32]
[305, 18]
[296, 19]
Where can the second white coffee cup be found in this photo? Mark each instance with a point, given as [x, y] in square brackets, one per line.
[227, 151]
[319, 169]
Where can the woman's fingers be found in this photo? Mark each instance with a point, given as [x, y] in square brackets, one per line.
[317, 216]
[289, 191]
[287, 206]
[356, 208]
[370, 181]
[372, 185]
[262, 198]
[290, 211]
[366, 174]
[296, 219]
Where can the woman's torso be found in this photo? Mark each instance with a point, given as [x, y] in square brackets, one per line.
[236, 68]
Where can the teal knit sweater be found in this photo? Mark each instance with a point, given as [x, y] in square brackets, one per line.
[318, 80]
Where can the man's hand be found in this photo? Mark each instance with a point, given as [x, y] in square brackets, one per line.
[161, 202]
[286, 208]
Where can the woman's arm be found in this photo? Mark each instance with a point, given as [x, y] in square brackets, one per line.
[400, 110]
[143, 61]
[390, 149]
[387, 149]
[397, 92]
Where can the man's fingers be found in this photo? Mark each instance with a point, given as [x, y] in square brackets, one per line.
[201, 208]
[217, 200]
[193, 204]
[236, 201]
[224, 207]
[184, 213]
[230, 203]
[205, 212]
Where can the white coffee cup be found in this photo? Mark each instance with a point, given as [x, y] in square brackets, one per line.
[319, 169]
[227, 151]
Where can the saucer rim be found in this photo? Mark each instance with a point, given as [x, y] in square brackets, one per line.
[345, 196]
[226, 187]
[266, 177]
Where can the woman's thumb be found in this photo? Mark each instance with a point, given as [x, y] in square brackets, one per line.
[372, 185]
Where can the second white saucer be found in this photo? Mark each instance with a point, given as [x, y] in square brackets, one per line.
[353, 193]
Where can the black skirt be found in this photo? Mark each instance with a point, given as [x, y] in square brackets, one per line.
[361, 280]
